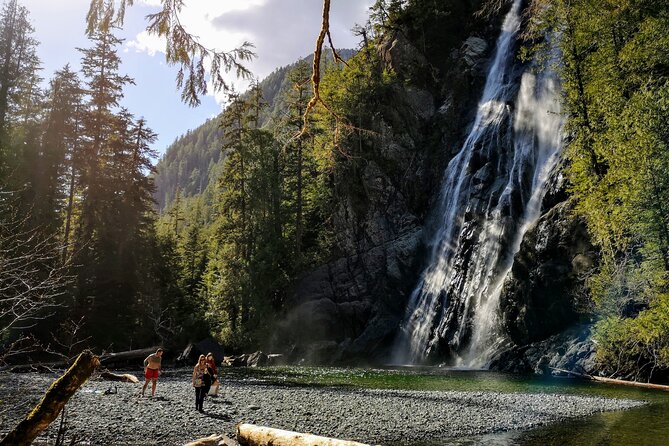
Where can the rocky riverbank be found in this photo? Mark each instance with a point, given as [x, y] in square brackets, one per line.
[96, 416]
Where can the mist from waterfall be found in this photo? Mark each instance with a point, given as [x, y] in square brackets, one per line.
[491, 194]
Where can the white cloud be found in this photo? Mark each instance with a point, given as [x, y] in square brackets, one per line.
[281, 30]
[147, 43]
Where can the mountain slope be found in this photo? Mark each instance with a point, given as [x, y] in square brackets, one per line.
[191, 162]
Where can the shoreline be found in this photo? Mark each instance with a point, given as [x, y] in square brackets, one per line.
[365, 415]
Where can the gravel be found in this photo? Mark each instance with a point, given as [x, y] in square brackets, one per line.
[369, 416]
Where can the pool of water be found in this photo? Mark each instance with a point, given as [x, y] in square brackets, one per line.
[646, 425]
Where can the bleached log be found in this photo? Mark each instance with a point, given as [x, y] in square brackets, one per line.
[252, 435]
[621, 382]
[53, 401]
[124, 377]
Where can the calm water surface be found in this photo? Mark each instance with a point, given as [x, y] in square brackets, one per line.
[647, 425]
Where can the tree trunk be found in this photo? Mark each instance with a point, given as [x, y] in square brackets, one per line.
[127, 356]
[615, 381]
[125, 377]
[53, 402]
[252, 435]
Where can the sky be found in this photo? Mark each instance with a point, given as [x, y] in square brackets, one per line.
[281, 30]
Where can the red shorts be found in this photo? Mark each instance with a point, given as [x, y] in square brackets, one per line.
[151, 373]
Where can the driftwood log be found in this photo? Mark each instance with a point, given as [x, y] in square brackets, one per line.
[53, 401]
[122, 377]
[252, 435]
[214, 440]
[621, 382]
[123, 358]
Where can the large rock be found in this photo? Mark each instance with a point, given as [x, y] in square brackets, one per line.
[400, 55]
[473, 51]
[538, 297]
[571, 351]
[350, 308]
[191, 353]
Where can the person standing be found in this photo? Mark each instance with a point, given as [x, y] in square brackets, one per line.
[211, 365]
[152, 365]
[200, 375]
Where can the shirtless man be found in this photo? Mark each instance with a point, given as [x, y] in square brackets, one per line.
[152, 370]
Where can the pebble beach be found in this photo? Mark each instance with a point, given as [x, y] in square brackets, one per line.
[109, 413]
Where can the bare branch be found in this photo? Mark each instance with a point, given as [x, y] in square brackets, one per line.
[197, 63]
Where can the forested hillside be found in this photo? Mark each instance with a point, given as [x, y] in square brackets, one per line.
[306, 233]
[192, 161]
[77, 222]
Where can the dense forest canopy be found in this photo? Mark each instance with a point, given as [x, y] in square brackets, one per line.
[246, 206]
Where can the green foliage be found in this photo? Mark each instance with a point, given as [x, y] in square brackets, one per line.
[635, 347]
[616, 83]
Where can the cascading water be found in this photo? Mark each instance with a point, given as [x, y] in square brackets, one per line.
[492, 192]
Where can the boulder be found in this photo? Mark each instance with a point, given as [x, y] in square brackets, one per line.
[571, 350]
[473, 51]
[537, 299]
[257, 359]
[192, 352]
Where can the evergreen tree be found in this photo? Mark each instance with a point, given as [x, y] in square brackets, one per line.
[616, 87]
[115, 236]
[18, 60]
[57, 171]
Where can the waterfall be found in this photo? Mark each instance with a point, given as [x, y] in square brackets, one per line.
[492, 192]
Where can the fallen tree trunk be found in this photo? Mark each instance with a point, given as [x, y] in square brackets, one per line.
[53, 401]
[214, 440]
[621, 382]
[127, 356]
[252, 435]
[125, 377]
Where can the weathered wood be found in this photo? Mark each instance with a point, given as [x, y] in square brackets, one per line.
[621, 382]
[124, 377]
[252, 435]
[53, 401]
[214, 440]
[127, 356]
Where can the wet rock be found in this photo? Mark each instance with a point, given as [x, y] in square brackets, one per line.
[537, 299]
[570, 350]
[473, 51]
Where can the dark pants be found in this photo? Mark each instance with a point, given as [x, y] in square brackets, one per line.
[200, 392]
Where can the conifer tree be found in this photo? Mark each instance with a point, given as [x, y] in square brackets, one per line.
[57, 171]
[18, 60]
[19, 66]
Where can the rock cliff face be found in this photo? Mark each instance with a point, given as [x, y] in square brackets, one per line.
[538, 296]
[350, 309]
[539, 300]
